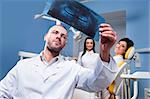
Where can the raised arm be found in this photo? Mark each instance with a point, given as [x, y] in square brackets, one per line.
[108, 38]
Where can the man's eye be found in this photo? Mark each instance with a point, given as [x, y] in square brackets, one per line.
[65, 37]
[55, 32]
[62, 35]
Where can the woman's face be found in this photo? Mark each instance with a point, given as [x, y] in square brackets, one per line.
[89, 44]
[120, 48]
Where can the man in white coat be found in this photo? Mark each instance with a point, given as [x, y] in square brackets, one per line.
[50, 76]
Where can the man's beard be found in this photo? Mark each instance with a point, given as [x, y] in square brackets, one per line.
[54, 50]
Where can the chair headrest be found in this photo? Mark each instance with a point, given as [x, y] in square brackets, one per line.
[130, 53]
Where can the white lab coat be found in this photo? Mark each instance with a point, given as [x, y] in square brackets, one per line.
[31, 78]
[88, 59]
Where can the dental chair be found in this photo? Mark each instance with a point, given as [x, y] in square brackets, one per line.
[137, 75]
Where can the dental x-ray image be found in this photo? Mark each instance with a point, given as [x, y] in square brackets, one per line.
[75, 14]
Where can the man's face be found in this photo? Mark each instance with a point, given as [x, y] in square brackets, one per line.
[56, 38]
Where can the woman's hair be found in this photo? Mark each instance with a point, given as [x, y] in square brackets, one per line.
[84, 50]
[129, 44]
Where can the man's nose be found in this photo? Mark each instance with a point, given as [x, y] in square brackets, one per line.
[58, 35]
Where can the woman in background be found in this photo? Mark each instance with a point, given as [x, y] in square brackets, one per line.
[88, 56]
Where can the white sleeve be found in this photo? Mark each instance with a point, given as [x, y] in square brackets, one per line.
[99, 78]
[8, 84]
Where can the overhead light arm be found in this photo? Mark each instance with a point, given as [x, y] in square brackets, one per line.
[77, 34]
[37, 16]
